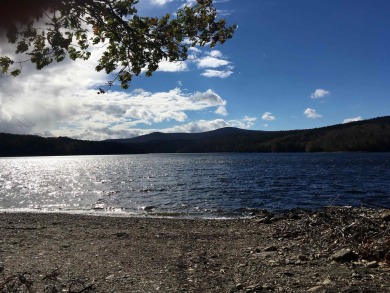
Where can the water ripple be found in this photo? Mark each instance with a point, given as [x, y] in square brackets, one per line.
[194, 184]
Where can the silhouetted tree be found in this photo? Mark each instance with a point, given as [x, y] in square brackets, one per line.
[51, 30]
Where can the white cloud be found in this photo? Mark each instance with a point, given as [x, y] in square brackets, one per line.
[198, 126]
[208, 125]
[166, 66]
[215, 53]
[60, 100]
[268, 116]
[123, 130]
[245, 123]
[36, 100]
[194, 49]
[211, 62]
[348, 120]
[217, 73]
[221, 110]
[188, 3]
[319, 93]
[311, 113]
[160, 2]
[224, 13]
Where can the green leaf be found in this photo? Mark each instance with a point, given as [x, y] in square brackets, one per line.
[131, 43]
[15, 72]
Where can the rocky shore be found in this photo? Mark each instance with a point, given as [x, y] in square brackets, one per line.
[336, 249]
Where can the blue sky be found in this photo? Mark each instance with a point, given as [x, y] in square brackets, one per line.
[291, 65]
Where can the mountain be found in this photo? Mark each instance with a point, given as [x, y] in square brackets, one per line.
[159, 136]
[363, 136]
[367, 135]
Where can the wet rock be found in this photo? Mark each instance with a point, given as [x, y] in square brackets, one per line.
[148, 208]
[265, 220]
[344, 255]
[294, 216]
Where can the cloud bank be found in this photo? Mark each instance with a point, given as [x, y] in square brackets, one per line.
[348, 120]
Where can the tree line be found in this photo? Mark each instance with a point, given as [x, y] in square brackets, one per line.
[363, 136]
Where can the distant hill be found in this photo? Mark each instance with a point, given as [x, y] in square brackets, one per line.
[159, 136]
[363, 136]
[32, 145]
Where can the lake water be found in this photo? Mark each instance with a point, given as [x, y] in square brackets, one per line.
[194, 185]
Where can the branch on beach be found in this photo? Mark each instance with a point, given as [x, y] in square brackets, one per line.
[24, 282]
[17, 283]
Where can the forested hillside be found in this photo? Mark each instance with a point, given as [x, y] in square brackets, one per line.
[367, 136]
[364, 136]
[32, 145]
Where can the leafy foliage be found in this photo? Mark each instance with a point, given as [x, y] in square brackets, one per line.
[132, 43]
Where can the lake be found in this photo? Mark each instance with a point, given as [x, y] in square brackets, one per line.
[194, 185]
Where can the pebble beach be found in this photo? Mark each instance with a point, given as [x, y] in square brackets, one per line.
[335, 249]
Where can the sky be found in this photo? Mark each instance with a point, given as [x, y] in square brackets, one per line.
[295, 64]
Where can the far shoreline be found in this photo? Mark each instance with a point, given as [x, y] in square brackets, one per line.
[252, 213]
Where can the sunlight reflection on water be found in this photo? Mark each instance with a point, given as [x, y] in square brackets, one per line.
[193, 184]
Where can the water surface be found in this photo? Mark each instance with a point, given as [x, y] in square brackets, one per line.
[200, 185]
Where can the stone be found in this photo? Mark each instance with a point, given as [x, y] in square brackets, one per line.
[303, 257]
[356, 275]
[110, 278]
[294, 216]
[270, 248]
[288, 274]
[254, 288]
[315, 289]
[386, 216]
[372, 264]
[344, 255]
[239, 286]
[265, 220]
[327, 282]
